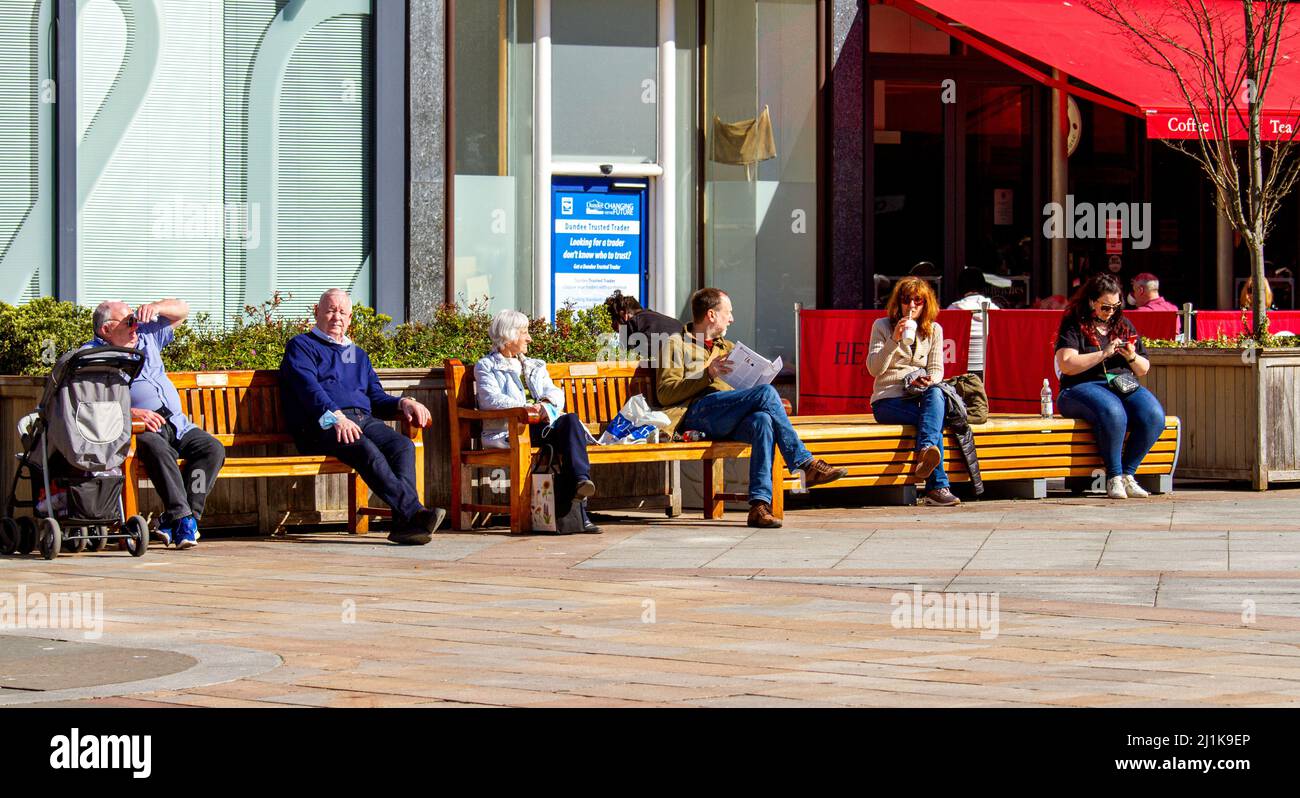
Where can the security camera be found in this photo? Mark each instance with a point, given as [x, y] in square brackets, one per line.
[607, 169]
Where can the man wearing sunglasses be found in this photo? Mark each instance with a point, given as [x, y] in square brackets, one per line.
[169, 435]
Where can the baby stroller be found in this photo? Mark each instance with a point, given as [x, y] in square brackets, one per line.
[82, 430]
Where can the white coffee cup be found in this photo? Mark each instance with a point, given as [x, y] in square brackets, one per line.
[909, 331]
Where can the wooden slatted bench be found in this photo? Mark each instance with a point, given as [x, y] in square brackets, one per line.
[596, 392]
[1011, 448]
[1018, 452]
[242, 409]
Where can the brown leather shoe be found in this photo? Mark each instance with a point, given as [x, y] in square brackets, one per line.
[760, 515]
[940, 498]
[927, 460]
[820, 472]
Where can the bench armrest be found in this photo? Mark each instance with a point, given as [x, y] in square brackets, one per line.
[526, 415]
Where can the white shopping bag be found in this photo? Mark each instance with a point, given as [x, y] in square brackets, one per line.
[543, 501]
[634, 423]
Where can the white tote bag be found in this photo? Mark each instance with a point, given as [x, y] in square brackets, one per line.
[542, 500]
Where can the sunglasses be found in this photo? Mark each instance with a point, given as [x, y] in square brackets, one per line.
[916, 300]
[1111, 308]
[129, 321]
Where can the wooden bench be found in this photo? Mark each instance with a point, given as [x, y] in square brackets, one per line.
[596, 392]
[242, 409]
[1022, 451]
[1016, 453]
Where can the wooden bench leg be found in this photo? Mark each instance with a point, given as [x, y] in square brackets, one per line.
[778, 485]
[674, 505]
[521, 516]
[131, 487]
[358, 496]
[461, 495]
[714, 482]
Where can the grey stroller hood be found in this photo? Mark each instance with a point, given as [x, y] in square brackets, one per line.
[87, 406]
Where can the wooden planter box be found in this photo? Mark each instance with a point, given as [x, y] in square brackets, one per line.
[1240, 411]
[270, 504]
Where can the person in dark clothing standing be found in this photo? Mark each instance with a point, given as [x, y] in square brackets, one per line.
[333, 403]
[644, 331]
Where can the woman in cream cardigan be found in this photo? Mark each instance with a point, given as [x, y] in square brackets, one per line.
[908, 345]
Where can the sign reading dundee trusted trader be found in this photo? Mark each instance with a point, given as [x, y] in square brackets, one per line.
[598, 244]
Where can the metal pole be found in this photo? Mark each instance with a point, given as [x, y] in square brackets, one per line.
[542, 155]
[1224, 299]
[665, 276]
[798, 361]
[1060, 186]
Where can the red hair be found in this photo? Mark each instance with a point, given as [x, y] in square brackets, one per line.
[904, 291]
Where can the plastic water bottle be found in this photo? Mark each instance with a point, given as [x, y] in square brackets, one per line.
[1045, 400]
[691, 436]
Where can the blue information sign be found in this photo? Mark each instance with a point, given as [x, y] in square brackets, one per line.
[598, 243]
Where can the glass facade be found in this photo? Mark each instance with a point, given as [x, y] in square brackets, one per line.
[224, 152]
[27, 96]
[492, 141]
[760, 225]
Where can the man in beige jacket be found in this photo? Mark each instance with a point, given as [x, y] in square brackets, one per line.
[691, 388]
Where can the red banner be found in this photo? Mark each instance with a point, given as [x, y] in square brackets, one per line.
[1019, 352]
[1275, 125]
[1210, 323]
[1154, 323]
[833, 344]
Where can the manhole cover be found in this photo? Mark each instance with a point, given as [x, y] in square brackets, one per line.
[32, 664]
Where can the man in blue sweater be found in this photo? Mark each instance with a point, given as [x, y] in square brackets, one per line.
[333, 403]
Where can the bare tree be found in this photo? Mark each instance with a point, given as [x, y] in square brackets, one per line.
[1223, 65]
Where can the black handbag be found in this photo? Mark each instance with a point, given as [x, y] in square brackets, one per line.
[1122, 382]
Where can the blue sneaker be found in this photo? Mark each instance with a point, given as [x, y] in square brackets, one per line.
[167, 531]
[187, 534]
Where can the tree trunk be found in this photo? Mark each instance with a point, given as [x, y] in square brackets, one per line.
[1255, 182]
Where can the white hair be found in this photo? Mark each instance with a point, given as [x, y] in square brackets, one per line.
[103, 311]
[506, 327]
[325, 296]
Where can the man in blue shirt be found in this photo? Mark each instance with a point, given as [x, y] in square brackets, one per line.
[333, 403]
[168, 434]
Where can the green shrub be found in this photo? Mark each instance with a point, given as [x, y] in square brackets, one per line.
[36, 334]
[257, 340]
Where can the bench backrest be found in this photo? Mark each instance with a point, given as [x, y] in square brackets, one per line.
[595, 391]
[241, 408]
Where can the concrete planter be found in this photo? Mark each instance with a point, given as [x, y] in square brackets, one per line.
[1240, 410]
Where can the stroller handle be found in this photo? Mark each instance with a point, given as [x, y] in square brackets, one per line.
[129, 361]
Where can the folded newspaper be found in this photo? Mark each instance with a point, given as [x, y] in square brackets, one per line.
[750, 369]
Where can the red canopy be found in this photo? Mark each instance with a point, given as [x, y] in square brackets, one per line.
[1086, 46]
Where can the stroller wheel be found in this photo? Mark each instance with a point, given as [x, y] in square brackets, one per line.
[138, 529]
[97, 539]
[51, 538]
[78, 544]
[26, 534]
[8, 536]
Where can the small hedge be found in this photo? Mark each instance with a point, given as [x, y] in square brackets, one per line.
[37, 333]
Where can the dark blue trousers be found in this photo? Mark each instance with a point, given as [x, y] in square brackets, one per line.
[383, 457]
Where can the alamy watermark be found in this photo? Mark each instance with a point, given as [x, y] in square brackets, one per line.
[929, 610]
[83, 612]
[180, 219]
[1099, 220]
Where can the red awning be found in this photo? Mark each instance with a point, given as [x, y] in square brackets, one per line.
[1088, 47]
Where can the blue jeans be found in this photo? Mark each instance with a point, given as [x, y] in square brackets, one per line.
[754, 416]
[927, 416]
[1110, 415]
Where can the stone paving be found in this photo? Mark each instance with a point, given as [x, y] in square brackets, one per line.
[1184, 600]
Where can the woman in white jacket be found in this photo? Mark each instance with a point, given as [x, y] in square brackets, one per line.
[505, 378]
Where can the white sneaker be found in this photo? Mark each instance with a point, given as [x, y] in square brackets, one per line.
[1115, 488]
[1133, 489]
